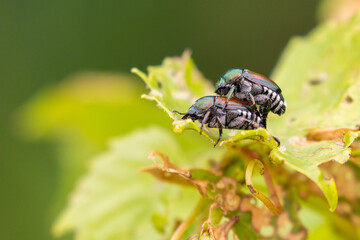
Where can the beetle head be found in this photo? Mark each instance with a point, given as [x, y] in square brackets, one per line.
[222, 87]
[223, 90]
[227, 80]
[191, 113]
[200, 107]
[221, 83]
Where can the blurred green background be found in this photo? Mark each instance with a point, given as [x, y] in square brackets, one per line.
[44, 42]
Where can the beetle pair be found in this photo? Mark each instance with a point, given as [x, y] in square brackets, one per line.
[244, 90]
[254, 88]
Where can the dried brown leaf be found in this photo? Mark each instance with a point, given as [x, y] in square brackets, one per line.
[223, 191]
[166, 176]
[260, 215]
[222, 232]
[323, 134]
[167, 171]
[227, 197]
[284, 225]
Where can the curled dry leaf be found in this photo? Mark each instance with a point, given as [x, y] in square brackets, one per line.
[220, 189]
[260, 216]
[274, 208]
[167, 171]
[329, 133]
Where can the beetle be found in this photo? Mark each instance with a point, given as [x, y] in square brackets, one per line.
[253, 87]
[213, 111]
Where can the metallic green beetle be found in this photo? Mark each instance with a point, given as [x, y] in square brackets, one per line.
[253, 87]
[211, 110]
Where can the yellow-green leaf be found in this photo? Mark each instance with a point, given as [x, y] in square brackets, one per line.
[116, 201]
[320, 78]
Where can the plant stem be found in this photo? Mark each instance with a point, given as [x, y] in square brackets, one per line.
[270, 185]
[185, 224]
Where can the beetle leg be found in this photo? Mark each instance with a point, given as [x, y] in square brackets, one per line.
[249, 124]
[251, 99]
[220, 130]
[277, 140]
[264, 121]
[264, 113]
[265, 106]
[253, 119]
[204, 121]
[268, 105]
[246, 124]
[229, 96]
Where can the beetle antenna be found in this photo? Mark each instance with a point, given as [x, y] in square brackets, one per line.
[174, 111]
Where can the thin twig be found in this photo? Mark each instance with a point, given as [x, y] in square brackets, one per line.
[270, 185]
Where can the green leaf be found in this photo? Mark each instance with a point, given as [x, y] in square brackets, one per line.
[175, 84]
[320, 223]
[200, 174]
[320, 77]
[320, 82]
[160, 222]
[91, 105]
[114, 200]
[323, 70]
[80, 114]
